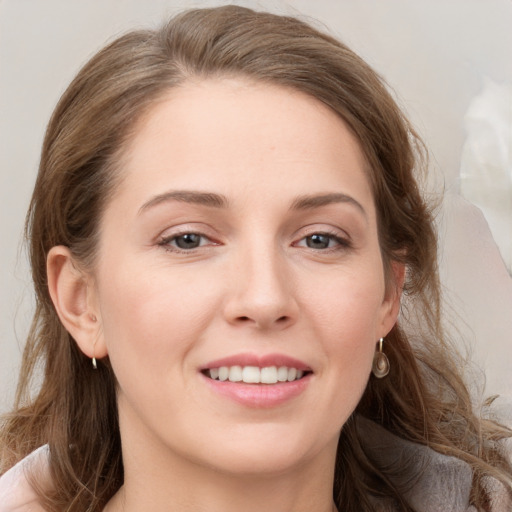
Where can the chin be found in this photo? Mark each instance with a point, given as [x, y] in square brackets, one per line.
[257, 464]
[266, 452]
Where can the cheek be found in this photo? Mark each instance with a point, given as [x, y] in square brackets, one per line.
[151, 318]
[348, 306]
[347, 314]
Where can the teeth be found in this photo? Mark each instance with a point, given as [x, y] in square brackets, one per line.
[251, 375]
[269, 375]
[256, 375]
[282, 374]
[235, 374]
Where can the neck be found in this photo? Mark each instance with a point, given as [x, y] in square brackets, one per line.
[162, 482]
[221, 493]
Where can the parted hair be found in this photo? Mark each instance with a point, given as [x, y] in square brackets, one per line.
[61, 401]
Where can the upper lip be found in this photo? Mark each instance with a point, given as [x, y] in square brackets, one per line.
[261, 361]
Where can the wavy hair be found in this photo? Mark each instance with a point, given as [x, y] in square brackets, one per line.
[423, 400]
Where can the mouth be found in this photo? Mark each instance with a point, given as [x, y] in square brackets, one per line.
[255, 375]
[258, 380]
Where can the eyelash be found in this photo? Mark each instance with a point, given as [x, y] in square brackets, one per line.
[167, 241]
[341, 242]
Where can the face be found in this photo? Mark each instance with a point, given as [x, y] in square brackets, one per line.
[241, 244]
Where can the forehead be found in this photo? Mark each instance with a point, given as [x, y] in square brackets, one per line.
[231, 133]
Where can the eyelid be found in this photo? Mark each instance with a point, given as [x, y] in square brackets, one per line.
[323, 229]
[342, 238]
[183, 228]
[169, 245]
[174, 236]
[339, 240]
[165, 238]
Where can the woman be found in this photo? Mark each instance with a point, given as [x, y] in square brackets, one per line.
[224, 222]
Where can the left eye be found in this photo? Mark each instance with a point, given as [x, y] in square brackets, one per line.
[185, 241]
[320, 241]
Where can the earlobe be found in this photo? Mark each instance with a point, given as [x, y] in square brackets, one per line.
[72, 293]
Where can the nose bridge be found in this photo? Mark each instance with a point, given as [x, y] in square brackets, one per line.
[263, 291]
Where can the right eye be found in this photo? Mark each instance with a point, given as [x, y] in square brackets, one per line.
[184, 241]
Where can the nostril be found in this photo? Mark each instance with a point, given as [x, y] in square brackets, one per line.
[281, 320]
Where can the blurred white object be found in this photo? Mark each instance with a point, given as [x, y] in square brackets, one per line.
[486, 162]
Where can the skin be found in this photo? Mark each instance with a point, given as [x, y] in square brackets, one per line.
[256, 284]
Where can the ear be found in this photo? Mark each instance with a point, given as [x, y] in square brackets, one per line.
[393, 296]
[74, 297]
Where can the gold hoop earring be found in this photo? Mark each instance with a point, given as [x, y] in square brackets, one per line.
[380, 366]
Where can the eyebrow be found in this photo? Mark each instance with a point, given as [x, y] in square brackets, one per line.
[305, 202]
[309, 202]
[187, 196]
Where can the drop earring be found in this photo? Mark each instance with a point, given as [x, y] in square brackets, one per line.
[93, 359]
[380, 366]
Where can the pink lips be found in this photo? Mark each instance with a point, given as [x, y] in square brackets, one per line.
[260, 361]
[259, 395]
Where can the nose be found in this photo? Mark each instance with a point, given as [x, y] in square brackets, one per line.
[262, 291]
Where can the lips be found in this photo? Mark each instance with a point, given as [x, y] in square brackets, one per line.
[258, 381]
[260, 361]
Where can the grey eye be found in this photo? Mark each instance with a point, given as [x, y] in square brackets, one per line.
[318, 241]
[188, 241]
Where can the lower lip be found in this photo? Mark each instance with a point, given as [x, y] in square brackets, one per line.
[259, 395]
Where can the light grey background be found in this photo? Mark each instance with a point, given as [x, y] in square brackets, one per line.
[434, 53]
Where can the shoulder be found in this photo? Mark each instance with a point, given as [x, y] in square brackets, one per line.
[430, 481]
[16, 493]
[501, 411]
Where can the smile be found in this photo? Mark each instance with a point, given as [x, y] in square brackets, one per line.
[254, 374]
[256, 380]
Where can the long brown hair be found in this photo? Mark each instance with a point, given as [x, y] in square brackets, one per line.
[423, 400]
